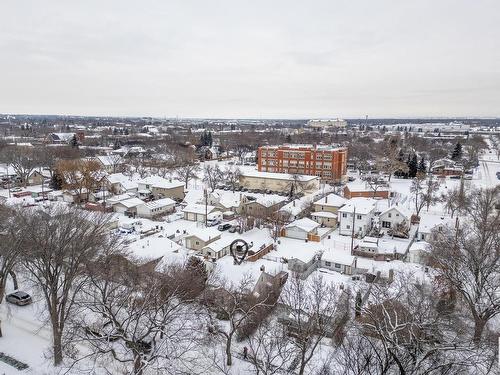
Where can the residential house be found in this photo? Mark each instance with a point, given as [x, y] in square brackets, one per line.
[356, 217]
[110, 163]
[447, 167]
[201, 237]
[262, 206]
[156, 208]
[128, 206]
[393, 218]
[118, 183]
[326, 209]
[430, 223]
[38, 177]
[159, 187]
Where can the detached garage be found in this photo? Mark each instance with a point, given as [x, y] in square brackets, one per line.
[301, 229]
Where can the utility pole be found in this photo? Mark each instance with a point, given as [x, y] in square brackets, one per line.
[205, 192]
[352, 233]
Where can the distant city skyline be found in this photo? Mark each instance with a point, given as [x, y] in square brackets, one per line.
[254, 60]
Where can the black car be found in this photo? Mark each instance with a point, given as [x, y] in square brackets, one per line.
[224, 227]
[19, 298]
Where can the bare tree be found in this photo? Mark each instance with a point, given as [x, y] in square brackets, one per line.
[212, 176]
[80, 175]
[468, 258]
[424, 191]
[314, 307]
[270, 351]
[234, 304]
[413, 333]
[187, 172]
[457, 199]
[139, 323]
[11, 237]
[23, 160]
[58, 244]
[232, 176]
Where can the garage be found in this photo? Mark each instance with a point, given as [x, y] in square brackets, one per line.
[295, 232]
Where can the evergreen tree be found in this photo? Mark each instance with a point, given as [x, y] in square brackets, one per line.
[209, 139]
[74, 142]
[421, 166]
[56, 181]
[116, 145]
[412, 166]
[457, 152]
[288, 138]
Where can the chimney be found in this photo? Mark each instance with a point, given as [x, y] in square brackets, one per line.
[293, 203]
[326, 199]
[263, 268]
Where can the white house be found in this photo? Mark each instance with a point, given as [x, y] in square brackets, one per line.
[128, 206]
[111, 163]
[156, 208]
[301, 229]
[430, 223]
[357, 212]
[118, 183]
[394, 216]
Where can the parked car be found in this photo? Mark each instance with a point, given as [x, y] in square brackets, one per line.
[455, 177]
[19, 298]
[224, 227]
[16, 189]
[234, 229]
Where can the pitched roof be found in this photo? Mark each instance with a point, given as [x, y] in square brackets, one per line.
[159, 203]
[332, 200]
[305, 224]
[363, 206]
[160, 182]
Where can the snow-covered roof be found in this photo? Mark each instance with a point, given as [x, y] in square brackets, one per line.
[363, 206]
[107, 160]
[429, 221]
[402, 210]
[159, 203]
[331, 200]
[220, 244]
[326, 214]
[198, 208]
[119, 198]
[359, 186]
[153, 247]
[305, 224]
[278, 176]
[204, 234]
[290, 248]
[338, 256]
[160, 182]
[115, 178]
[131, 202]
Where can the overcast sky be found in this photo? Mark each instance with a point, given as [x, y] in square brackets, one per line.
[281, 59]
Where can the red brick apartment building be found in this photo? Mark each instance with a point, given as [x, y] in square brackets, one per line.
[329, 163]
